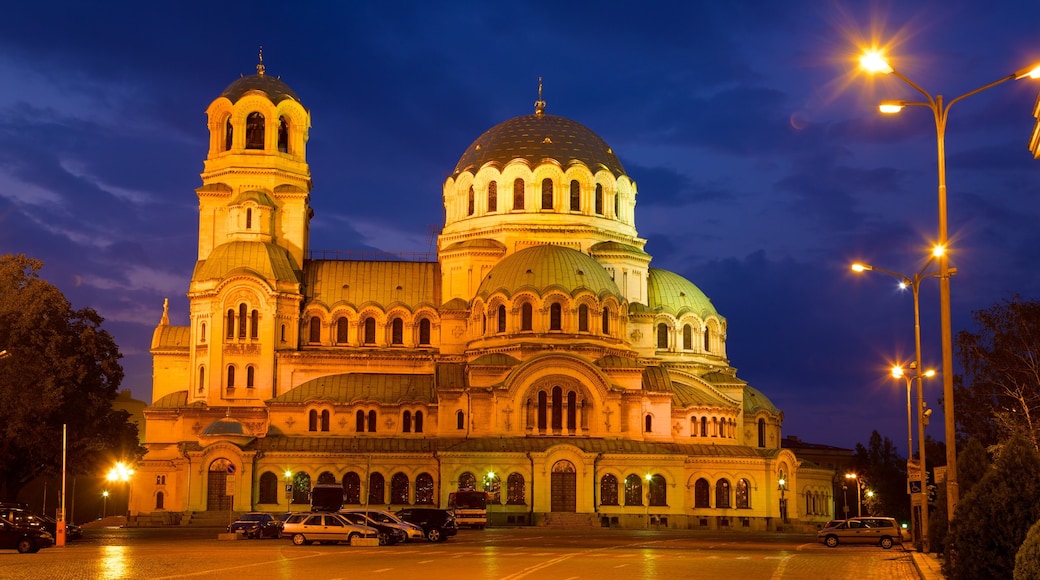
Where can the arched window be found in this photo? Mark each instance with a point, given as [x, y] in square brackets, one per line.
[557, 408]
[255, 131]
[704, 426]
[599, 199]
[202, 332]
[370, 331]
[617, 205]
[254, 324]
[418, 421]
[406, 422]
[460, 420]
[326, 478]
[230, 323]
[722, 494]
[547, 193]
[575, 195]
[555, 316]
[242, 320]
[283, 135]
[352, 488]
[492, 199]
[543, 405]
[493, 488]
[312, 420]
[701, 494]
[301, 487]
[376, 491]
[687, 337]
[633, 490]
[467, 481]
[648, 427]
[342, 327]
[359, 423]
[707, 339]
[526, 316]
[516, 489]
[471, 201]
[231, 377]
[662, 335]
[424, 331]
[424, 489]
[606, 322]
[399, 489]
[761, 432]
[397, 331]
[159, 500]
[229, 133]
[743, 494]
[608, 488]
[501, 318]
[518, 193]
[283, 333]
[249, 218]
[315, 330]
[371, 421]
[325, 420]
[658, 490]
[268, 488]
[202, 378]
[572, 410]
[583, 318]
[250, 376]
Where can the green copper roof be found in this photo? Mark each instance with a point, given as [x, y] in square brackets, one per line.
[616, 247]
[671, 293]
[172, 401]
[273, 87]
[685, 396]
[348, 388]
[360, 282]
[225, 426]
[656, 380]
[545, 267]
[496, 359]
[258, 197]
[755, 400]
[174, 337]
[270, 261]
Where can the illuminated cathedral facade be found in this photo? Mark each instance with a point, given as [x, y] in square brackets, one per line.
[540, 358]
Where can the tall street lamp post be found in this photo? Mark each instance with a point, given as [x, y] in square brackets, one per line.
[859, 497]
[123, 473]
[104, 505]
[874, 62]
[921, 520]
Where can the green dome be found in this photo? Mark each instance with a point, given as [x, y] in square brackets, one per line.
[270, 261]
[273, 87]
[545, 267]
[671, 293]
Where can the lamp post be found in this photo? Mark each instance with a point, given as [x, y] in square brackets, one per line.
[859, 498]
[104, 504]
[921, 527]
[123, 473]
[288, 490]
[782, 487]
[874, 62]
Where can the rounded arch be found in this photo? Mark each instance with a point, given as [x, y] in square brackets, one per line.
[545, 368]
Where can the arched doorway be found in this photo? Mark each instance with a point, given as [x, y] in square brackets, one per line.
[564, 487]
[217, 498]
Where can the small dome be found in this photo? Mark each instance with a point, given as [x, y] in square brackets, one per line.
[225, 427]
[270, 261]
[671, 293]
[536, 138]
[273, 87]
[542, 267]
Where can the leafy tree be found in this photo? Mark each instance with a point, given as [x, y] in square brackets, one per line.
[972, 465]
[994, 517]
[1027, 561]
[883, 471]
[999, 395]
[61, 368]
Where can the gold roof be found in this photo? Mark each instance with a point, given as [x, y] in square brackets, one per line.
[358, 282]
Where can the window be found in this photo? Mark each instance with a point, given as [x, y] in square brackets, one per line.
[315, 330]
[743, 494]
[547, 193]
[658, 490]
[301, 487]
[418, 421]
[701, 494]
[707, 339]
[493, 488]
[583, 318]
[761, 432]
[516, 491]
[229, 133]
[202, 379]
[342, 326]
[704, 426]
[555, 316]
[424, 331]
[312, 420]
[255, 131]
[662, 335]
[648, 424]
[242, 320]
[326, 478]
[268, 488]
[722, 494]
[687, 337]
[283, 333]
[359, 423]
[371, 421]
[397, 331]
[250, 376]
[159, 500]
[351, 488]
[606, 322]
[467, 481]
[230, 323]
[471, 201]
[283, 135]
[492, 198]
[518, 193]
[254, 324]
[608, 487]
[460, 420]
[526, 316]
[370, 331]
[424, 489]
[406, 422]
[572, 405]
[249, 218]
[231, 377]
[543, 406]
[633, 490]
[202, 332]
[617, 206]
[325, 420]
[399, 489]
[599, 199]
[376, 491]
[501, 318]
[575, 195]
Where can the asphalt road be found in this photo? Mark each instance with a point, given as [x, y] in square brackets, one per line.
[492, 554]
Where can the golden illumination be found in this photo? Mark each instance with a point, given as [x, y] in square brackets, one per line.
[897, 372]
[938, 250]
[929, 373]
[120, 472]
[1032, 72]
[873, 62]
[890, 107]
[857, 267]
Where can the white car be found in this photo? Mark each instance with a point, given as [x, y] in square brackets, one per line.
[307, 527]
[413, 531]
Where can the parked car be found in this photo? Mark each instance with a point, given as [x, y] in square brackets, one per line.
[388, 535]
[413, 531]
[866, 530]
[24, 538]
[72, 531]
[832, 524]
[437, 524]
[256, 525]
[307, 527]
[21, 517]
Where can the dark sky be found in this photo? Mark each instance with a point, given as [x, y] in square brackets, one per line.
[762, 164]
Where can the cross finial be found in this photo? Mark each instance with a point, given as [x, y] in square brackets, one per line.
[539, 105]
[260, 66]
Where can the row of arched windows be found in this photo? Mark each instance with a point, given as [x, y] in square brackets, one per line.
[557, 410]
[546, 195]
[365, 421]
[230, 377]
[400, 488]
[657, 490]
[516, 487]
[817, 504]
[366, 332]
[256, 131]
[725, 494]
[713, 427]
[240, 324]
[664, 338]
[557, 322]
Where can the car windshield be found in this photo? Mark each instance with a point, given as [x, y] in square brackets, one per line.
[254, 517]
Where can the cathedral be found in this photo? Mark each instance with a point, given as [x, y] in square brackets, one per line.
[540, 358]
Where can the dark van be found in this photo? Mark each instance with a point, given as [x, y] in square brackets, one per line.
[326, 498]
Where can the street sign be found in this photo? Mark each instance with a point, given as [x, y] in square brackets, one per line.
[915, 486]
[231, 469]
[229, 485]
[288, 488]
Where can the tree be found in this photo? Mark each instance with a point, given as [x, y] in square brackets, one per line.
[61, 369]
[972, 465]
[994, 517]
[883, 471]
[1027, 561]
[999, 394]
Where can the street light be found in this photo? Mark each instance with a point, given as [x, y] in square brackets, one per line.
[782, 487]
[921, 526]
[104, 504]
[288, 490]
[859, 498]
[874, 62]
[123, 473]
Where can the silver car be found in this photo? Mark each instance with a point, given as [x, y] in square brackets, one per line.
[412, 531]
[307, 527]
[875, 530]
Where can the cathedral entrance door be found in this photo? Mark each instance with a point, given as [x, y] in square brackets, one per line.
[564, 487]
[217, 498]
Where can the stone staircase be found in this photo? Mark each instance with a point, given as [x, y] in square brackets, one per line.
[571, 520]
[209, 519]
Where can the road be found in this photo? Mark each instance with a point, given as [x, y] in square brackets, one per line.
[492, 554]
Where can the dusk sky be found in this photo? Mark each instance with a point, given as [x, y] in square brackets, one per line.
[763, 167]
